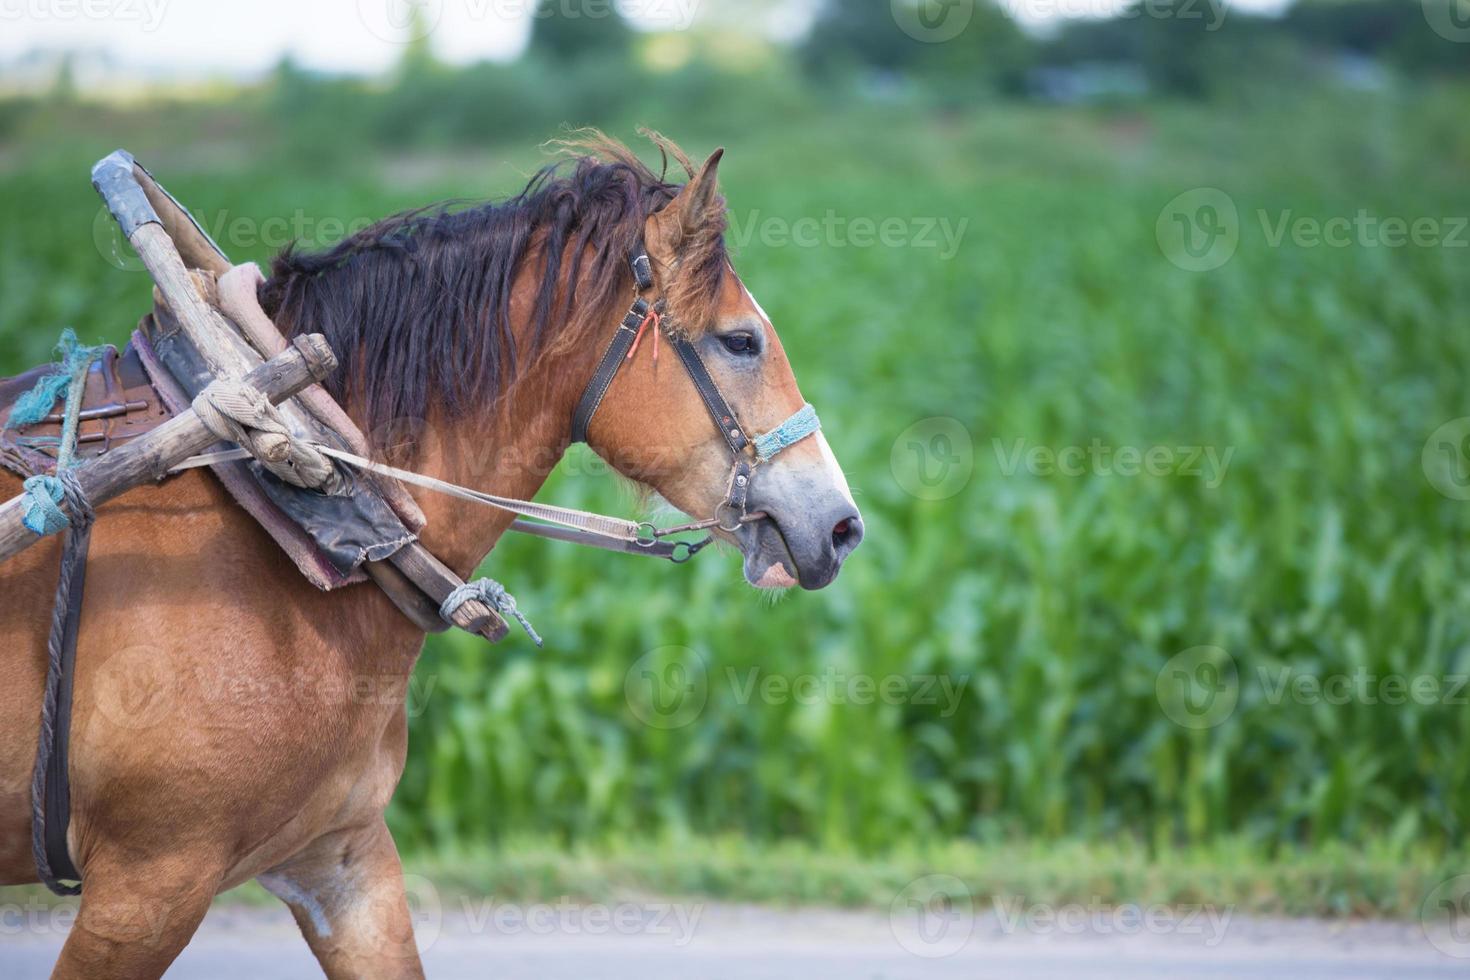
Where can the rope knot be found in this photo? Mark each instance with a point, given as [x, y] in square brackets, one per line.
[233, 411]
[493, 594]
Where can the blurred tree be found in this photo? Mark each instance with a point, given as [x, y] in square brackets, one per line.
[871, 38]
[418, 53]
[64, 89]
[847, 36]
[1392, 31]
[577, 30]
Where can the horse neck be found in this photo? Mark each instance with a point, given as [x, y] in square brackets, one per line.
[508, 449]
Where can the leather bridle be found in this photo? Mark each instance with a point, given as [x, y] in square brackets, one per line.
[747, 453]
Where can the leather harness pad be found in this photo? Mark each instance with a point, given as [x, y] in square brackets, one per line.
[119, 403]
[347, 528]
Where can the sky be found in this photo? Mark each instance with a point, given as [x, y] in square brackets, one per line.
[192, 37]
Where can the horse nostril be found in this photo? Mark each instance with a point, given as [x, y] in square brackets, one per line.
[846, 534]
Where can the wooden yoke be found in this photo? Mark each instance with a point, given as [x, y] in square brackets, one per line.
[148, 217]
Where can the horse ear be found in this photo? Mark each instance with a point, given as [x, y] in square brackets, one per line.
[687, 213]
[694, 200]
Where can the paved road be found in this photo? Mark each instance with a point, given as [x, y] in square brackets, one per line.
[653, 941]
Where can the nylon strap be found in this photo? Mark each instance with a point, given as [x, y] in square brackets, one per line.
[719, 409]
[607, 368]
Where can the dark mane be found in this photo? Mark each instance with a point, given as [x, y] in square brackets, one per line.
[418, 305]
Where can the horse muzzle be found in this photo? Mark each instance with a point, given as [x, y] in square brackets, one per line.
[802, 543]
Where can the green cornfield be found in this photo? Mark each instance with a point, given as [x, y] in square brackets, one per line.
[1159, 554]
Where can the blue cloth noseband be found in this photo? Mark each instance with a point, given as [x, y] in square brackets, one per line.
[801, 424]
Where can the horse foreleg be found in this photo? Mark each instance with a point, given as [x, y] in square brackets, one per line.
[346, 891]
[135, 917]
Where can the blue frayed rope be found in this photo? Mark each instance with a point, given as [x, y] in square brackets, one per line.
[788, 433]
[35, 405]
[493, 594]
[43, 514]
[45, 494]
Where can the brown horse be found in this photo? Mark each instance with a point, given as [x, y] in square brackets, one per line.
[231, 722]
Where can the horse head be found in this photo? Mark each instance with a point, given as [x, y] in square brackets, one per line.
[655, 424]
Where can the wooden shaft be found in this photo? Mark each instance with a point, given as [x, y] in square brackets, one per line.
[224, 352]
[150, 456]
[434, 577]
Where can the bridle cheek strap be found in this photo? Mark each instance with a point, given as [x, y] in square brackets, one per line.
[747, 453]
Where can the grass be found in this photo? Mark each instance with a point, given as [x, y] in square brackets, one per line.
[1327, 882]
[1051, 603]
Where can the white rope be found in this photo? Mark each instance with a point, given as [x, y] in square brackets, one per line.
[611, 527]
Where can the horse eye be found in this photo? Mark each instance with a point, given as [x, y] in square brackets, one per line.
[739, 343]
